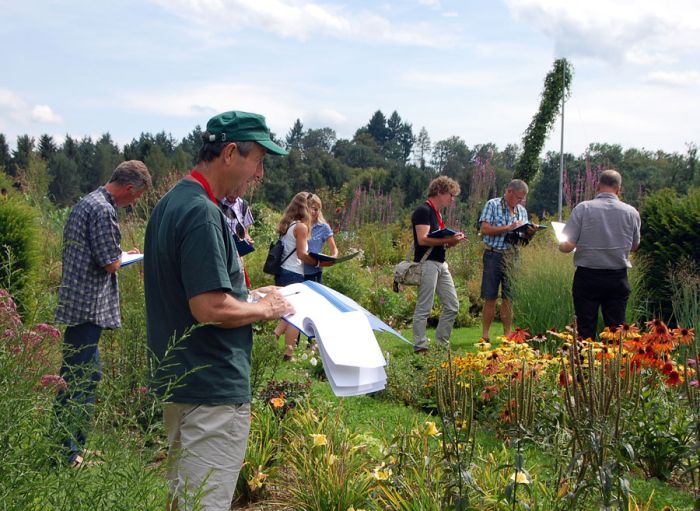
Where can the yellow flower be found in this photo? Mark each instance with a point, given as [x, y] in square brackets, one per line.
[521, 477]
[257, 480]
[430, 429]
[381, 474]
[319, 440]
[332, 459]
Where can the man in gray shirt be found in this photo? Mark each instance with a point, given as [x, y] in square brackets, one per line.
[603, 231]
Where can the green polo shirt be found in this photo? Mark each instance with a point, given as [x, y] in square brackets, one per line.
[188, 251]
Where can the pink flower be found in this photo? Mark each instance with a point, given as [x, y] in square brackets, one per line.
[47, 331]
[692, 362]
[694, 383]
[53, 380]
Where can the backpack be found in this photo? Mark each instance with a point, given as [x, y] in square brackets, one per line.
[275, 257]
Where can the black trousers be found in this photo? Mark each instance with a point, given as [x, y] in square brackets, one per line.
[604, 289]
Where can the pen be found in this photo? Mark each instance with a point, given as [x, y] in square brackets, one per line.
[291, 294]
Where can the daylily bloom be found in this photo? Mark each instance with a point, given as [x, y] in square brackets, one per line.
[431, 429]
[381, 474]
[319, 440]
[277, 402]
[257, 480]
[521, 477]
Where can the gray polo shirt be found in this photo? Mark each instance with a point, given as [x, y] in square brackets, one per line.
[604, 230]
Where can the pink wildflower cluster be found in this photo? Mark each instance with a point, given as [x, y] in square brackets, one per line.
[9, 318]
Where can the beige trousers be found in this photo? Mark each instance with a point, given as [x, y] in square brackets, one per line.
[207, 449]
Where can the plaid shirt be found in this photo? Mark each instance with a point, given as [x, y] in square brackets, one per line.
[497, 213]
[238, 216]
[91, 241]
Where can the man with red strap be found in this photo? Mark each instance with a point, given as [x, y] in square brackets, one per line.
[435, 275]
[199, 318]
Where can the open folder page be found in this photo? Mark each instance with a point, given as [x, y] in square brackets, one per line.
[128, 259]
[352, 359]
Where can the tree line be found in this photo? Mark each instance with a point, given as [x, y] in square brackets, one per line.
[385, 154]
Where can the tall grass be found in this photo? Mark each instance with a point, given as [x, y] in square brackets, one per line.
[541, 280]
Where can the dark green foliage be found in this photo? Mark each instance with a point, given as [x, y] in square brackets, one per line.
[19, 246]
[65, 186]
[670, 232]
[556, 84]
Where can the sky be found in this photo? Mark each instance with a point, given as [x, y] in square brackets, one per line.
[468, 68]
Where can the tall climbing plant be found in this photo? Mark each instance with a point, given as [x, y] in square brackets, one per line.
[556, 84]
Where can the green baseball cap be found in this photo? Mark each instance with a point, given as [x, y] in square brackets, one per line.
[241, 126]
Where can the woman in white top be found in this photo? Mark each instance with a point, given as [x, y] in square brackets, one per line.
[295, 229]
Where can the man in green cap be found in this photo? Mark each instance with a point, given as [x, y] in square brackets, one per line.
[199, 319]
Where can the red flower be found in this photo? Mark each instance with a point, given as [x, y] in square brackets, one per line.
[673, 378]
[667, 368]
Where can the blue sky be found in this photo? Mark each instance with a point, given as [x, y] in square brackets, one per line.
[471, 68]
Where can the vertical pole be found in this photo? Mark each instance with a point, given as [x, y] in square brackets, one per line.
[561, 150]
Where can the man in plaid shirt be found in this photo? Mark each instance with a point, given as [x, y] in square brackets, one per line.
[88, 299]
[500, 216]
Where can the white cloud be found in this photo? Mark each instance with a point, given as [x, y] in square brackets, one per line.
[635, 31]
[44, 114]
[675, 79]
[301, 20]
[430, 3]
[19, 112]
[202, 101]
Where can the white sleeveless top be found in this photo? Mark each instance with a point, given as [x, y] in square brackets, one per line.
[293, 263]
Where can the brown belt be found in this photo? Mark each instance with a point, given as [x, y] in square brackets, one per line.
[497, 250]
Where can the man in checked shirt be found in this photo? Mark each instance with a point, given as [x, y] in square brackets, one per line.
[500, 216]
[88, 299]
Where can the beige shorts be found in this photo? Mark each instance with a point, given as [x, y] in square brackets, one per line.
[207, 449]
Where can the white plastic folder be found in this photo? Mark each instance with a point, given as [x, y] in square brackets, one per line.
[128, 259]
[351, 357]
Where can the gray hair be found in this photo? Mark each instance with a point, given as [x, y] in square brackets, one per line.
[211, 150]
[132, 172]
[517, 185]
[610, 178]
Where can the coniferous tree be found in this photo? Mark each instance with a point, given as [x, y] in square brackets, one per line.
[295, 135]
[377, 128]
[64, 189]
[5, 158]
[21, 155]
[191, 144]
[47, 147]
[422, 148]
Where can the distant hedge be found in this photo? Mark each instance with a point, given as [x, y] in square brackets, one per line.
[670, 233]
[19, 245]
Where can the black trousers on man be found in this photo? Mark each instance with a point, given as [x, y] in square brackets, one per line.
[604, 289]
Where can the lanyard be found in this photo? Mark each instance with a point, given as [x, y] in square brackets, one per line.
[207, 188]
[441, 224]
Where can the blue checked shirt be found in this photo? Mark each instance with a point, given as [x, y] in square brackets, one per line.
[91, 241]
[497, 213]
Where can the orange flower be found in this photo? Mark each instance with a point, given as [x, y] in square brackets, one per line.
[610, 333]
[684, 335]
[519, 336]
[629, 331]
[278, 402]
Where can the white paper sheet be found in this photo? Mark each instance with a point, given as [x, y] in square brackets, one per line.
[128, 259]
[559, 231]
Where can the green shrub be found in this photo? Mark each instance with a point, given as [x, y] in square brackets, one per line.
[20, 255]
[669, 232]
